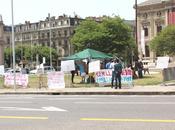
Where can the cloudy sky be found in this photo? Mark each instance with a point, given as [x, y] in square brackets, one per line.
[35, 10]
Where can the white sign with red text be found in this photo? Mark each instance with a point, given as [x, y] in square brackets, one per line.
[56, 80]
[21, 79]
[105, 76]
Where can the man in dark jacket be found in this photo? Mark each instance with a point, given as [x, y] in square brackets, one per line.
[118, 71]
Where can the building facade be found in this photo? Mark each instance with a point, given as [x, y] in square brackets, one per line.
[152, 17]
[61, 28]
[5, 39]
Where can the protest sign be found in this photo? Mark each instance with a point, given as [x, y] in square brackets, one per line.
[56, 80]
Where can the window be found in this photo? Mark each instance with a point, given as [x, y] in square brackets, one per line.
[65, 33]
[159, 14]
[145, 15]
[53, 34]
[44, 25]
[8, 40]
[159, 28]
[59, 33]
[61, 22]
[48, 35]
[43, 35]
[147, 51]
[59, 42]
[53, 44]
[48, 43]
[145, 31]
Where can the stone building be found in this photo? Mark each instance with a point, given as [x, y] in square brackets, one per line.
[152, 17]
[5, 39]
[62, 28]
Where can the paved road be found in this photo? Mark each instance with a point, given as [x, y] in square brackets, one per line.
[95, 112]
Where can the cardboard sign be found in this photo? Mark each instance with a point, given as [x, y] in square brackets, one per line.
[56, 80]
[162, 62]
[1, 69]
[21, 79]
[94, 66]
[67, 66]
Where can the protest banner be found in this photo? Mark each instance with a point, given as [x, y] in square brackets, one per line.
[104, 77]
[67, 66]
[56, 80]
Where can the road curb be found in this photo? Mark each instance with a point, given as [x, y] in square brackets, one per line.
[94, 93]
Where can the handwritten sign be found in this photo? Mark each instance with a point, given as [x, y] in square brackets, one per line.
[162, 62]
[67, 66]
[21, 79]
[94, 66]
[1, 69]
[56, 80]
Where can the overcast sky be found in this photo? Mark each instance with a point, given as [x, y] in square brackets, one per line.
[35, 10]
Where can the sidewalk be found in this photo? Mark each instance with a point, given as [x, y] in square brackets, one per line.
[136, 90]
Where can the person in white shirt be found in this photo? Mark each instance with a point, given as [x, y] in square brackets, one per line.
[113, 73]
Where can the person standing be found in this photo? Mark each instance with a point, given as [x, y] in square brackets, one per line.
[113, 73]
[118, 71]
[139, 68]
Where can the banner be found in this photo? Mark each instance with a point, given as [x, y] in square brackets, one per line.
[105, 76]
[56, 80]
[21, 79]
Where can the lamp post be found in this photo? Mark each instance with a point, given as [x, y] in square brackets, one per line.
[136, 22]
[13, 46]
[50, 39]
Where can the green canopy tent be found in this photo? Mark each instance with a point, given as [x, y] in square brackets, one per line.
[88, 54]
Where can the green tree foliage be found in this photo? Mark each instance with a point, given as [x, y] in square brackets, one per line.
[28, 53]
[164, 42]
[111, 35]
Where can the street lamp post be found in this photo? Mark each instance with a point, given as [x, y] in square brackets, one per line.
[13, 46]
[50, 39]
[136, 22]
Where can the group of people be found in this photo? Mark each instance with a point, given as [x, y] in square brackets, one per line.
[116, 67]
[80, 69]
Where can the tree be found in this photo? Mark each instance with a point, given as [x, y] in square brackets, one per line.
[28, 53]
[164, 42]
[111, 35]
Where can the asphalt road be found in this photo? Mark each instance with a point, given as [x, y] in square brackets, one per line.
[67, 112]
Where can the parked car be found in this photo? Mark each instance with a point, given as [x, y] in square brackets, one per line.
[12, 71]
[40, 70]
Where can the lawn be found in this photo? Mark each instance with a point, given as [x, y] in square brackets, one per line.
[152, 79]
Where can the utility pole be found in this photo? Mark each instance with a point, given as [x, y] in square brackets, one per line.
[136, 35]
[13, 46]
[50, 39]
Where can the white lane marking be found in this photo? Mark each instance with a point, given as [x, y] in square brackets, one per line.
[70, 98]
[49, 108]
[126, 103]
[18, 102]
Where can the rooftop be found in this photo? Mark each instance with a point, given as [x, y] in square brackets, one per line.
[151, 2]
